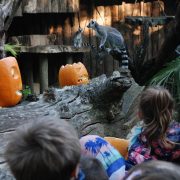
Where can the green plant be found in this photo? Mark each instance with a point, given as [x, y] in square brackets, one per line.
[26, 91]
[169, 77]
[14, 49]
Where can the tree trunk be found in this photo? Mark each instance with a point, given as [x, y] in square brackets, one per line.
[7, 9]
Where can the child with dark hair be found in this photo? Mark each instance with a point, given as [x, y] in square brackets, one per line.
[159, 136]
[154, 170]
[93, 169]
[44, 150]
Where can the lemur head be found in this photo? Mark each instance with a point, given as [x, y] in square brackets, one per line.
[80, 30]
[92, 24]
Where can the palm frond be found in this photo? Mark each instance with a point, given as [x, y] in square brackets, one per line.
[169, 77]
[171, 69]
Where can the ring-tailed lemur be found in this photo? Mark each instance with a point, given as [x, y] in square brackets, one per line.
[112, 38]
[78, 40]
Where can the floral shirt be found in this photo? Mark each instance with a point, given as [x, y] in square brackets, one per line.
[140, 150]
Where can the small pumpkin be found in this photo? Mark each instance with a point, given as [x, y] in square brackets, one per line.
[120, 144]
[10, 82]
[73, 74]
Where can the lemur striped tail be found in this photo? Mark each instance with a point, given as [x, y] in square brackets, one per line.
[124, 58]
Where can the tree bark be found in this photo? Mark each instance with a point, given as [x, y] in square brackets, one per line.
[7, 9]
[93, 107]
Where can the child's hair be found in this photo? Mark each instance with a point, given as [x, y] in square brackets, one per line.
[93, 169]
[156, 105]
[47, 150]
[151, 170]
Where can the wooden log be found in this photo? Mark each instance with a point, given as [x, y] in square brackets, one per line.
[43, 72]
[97, 98]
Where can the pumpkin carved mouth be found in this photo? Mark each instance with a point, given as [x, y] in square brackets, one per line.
[19, 93]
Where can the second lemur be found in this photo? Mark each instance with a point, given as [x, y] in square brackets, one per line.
[112, 38]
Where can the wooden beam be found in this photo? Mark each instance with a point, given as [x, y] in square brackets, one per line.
[153, 21]
[53, 49]
[50, 6]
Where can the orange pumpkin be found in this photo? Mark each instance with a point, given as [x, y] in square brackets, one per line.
[73, 74]
[10, 82]
[120, 144]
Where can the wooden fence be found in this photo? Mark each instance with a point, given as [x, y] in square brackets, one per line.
[45, 27]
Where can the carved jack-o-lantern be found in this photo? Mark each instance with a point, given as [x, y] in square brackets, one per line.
[10, 82]
[73, 74]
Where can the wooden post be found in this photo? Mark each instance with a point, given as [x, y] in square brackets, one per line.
[107, 16]
[29, 80]
[43, 72]
[100, 20]
[122, 11]
[69, 59]
[114, 10]
[67, 31]
[142, 8]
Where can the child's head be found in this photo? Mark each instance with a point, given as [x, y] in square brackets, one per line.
[47, 150]
[154, 170]
[93, 169]
[155, 106]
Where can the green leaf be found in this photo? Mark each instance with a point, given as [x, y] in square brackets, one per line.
[169, 77]
[14, 49]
